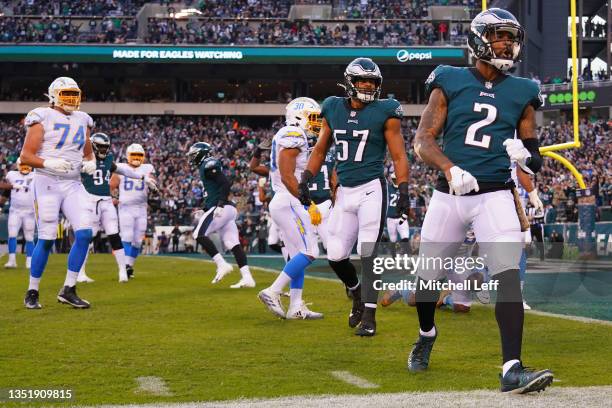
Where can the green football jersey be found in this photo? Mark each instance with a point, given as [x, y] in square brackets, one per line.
[319, 186]
[97, 184]
[208, 168]
[481, 116]
[393, 196]
[359, 137]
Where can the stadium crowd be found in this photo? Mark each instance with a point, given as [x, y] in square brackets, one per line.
[167, 138]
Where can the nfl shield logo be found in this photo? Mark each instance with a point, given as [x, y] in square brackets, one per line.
[488, 85]
[353, 114]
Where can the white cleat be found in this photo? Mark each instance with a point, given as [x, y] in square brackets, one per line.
[303, 313]
[483, 296]
[222, 271]
[83, 278]
[526, 306]
[123, 277]
[10, 265]
[272, 301]
[244, 283]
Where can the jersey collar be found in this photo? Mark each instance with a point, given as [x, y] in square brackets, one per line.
[487, 84]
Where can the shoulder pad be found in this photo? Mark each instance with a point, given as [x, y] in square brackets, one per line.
[437, 79]
[210, 163]
[88, 119]
[291, 137]
[35, 116]
[328, 104]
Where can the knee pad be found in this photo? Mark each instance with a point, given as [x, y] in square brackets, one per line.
[115, 242]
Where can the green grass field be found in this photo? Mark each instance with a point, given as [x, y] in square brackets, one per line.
[214, 343]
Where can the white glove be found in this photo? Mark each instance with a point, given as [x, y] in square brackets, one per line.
[462, 182]
[262, 182]
[218, 211]
[151, 183]
[57, 165]
[517, 152]
[89, 167]
[17, 187]
[534, 199]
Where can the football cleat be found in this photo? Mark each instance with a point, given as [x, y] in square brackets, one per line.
[367, 327]
[69, 296]
[526, 306]
[123, 276]
[10, 265]
[483, 296]
[222, 270]
[522, 380]
[302, 312]
[272, 301]
[31, 300]
[129, 269]
[357, 309]
[390, 297]
[244, 283]
[418, 360]
[84, 278]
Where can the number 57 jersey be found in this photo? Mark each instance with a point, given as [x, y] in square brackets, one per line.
[481, 116]
[135, 192]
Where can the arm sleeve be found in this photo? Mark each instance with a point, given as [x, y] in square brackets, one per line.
[124, 169]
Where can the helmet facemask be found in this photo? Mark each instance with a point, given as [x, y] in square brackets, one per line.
[365, 95]
[135, 158]
[69, 99]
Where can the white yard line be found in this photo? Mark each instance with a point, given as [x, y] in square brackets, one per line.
[352, 379]
[551, 397]
[153, 385]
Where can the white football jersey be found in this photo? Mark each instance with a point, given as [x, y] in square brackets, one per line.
[288, 137]
[23, 198]
[64, 138]
[135, 192]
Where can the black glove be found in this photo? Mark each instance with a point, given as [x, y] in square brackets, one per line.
[303, 190]
[403, 202]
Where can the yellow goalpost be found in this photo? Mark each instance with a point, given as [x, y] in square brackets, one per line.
[549, 151]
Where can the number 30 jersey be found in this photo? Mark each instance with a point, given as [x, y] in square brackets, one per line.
[64, 138]
[481, 116]
[135, 192]
[288, 137]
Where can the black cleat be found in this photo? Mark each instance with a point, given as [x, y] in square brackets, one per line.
[418, 360]
[522, 380]
[31, 300]
[130, 271]
[69, 296]
[367, 327]
[357, 309]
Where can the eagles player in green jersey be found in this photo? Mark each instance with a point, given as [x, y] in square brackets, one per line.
[360, 126]
[219, 215]
[320, 192]
[480, 111]
[105, 214]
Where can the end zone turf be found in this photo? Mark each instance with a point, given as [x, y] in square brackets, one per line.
[209, 342]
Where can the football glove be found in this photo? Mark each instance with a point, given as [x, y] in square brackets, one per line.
[518, 152]
[304, 190]
[262, 182]
[151, 183]
[461, 182]
[88, 167]
[534, 199]
[315, 214]
[17, 187]
[403, 202]
[58, 165]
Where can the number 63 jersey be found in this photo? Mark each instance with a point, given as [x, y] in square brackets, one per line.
[481, 116]
[135, 192]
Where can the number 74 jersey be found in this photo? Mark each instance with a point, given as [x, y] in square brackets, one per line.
[135, 192]
[481, 116]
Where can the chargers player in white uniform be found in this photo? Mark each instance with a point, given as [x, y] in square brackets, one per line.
[57, 146]
[133, 195]
[21, 212]
[288, 160]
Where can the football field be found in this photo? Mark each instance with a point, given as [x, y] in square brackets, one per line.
[170, 336]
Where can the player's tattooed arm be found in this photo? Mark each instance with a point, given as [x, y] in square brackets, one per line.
[524, 180]
[430, 126]
[397, 149]
[286, 165]
[31, 145]
[317, 156]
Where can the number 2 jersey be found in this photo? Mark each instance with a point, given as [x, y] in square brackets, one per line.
[64, 138]
[481, 116]
[288, 137]
[135, 192]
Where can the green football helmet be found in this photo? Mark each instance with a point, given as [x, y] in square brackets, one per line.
[199, 152]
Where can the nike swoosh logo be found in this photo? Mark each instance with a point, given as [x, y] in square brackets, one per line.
[369, 330]
[369, 192]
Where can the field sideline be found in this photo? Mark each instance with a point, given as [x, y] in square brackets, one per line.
[170, 336]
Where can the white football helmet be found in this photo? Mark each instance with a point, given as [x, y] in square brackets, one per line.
[23, 168]
[65, 93]
[135, 154]
[304, 113]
